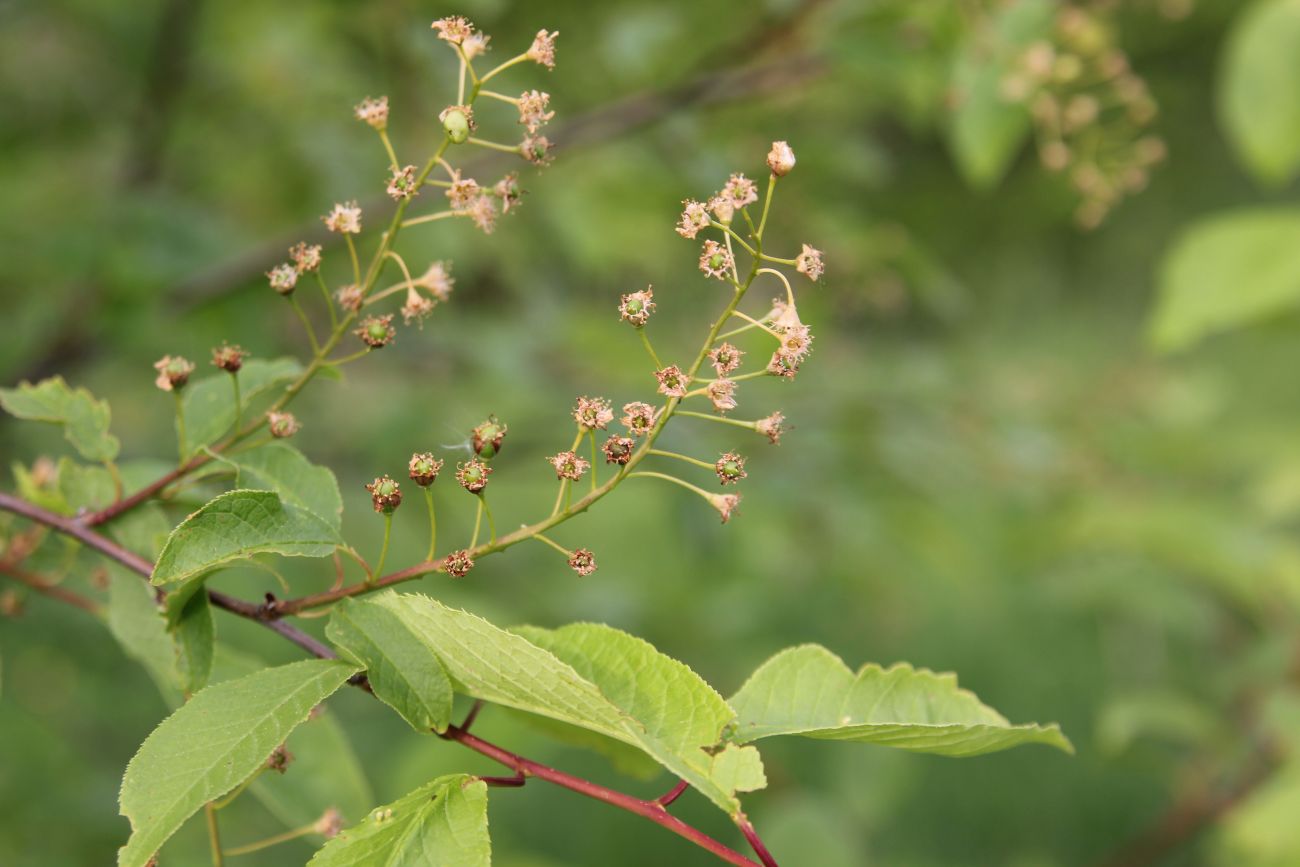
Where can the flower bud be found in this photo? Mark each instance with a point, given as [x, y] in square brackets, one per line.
[473, 475]
[695, 216]
[173, 372]
[424, 468]
[487, 437]
[780, 159]
[543, 49]
[783, 364]
[350, 298]
[228, 358]
[456, 123]
[385, 494]
[618, 450]
[722, 392]
[458, 564]
[635, 307]
[376, 331]
[730, 468]
[282, 424]
[345, 218]
[582, 561]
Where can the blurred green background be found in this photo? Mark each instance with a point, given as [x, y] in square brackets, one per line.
[996, 469]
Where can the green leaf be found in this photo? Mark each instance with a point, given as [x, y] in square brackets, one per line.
[678, 717]
[1259, 89]
[282, 468]
[210, 402]
[213, 743]
[404, 671]
[85, 487]
[739, 769]
[987, 130]
[586, 675]
[84, 419]
[440, 824]
[138, 624]
[808, 690]
[236, 525]
[1227, 271]
[194, 635]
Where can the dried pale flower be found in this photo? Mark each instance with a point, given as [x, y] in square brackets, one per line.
[783, 364]
[376, 331]
[532, 109]
[796, 341]
[385, 494]
[635, 307]
[780, 159]
[454, 29]
[809, 263]
[672, 382]
[568, 466]
[416, 308]
[618, 450]
[583, 562]
[725, 358]
[473, 475]
[722, 392]
[373, 112]
[487, 437]
[424, 468]
[345, 218]
[462, 192]
[282, 425]
[437, 279]
[350, 298]
[475, 44]
[306, 257]
[771, 427]
[695, 216]
[715, 261]
[740, 190]
[723, 208]
[593, 413]
[329, 824]
[483, 211]
[228, 358]
[458, 564]
[536, 149]
[725, 504]
[283, 278]
[508, 191]
[730, 468]
[639, 417]
[279, 759]
[402, 185]
[173, 372]
[543, 49]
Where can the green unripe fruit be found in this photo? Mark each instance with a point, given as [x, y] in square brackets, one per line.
[456, 125]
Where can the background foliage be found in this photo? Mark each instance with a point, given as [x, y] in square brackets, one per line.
[1062, 464]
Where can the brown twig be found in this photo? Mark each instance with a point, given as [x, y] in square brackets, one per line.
[49, 588]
